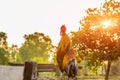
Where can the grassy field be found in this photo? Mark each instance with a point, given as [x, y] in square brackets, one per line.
[99, 77]
[54, 77]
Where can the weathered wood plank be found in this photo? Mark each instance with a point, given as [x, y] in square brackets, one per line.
[30, 71]
[46, 68]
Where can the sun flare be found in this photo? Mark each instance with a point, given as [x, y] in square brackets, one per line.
[106, 23]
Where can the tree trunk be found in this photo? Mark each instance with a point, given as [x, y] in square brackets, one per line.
[108, 70]
[85, 67]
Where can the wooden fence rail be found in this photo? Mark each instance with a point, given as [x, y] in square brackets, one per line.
[31, 69]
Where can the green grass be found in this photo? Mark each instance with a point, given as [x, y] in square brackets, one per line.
[55, 77]
[98, 77]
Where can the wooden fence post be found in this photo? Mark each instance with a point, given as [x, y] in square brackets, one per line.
[30, 71]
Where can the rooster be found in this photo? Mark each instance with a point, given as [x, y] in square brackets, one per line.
[65, 55]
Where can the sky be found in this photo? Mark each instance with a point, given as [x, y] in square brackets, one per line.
[20, 17]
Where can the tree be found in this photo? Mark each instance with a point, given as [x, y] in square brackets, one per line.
[99, 37]
[3, 49]
[14, 55]
[3, 40]
[36, 48]
[3, 57]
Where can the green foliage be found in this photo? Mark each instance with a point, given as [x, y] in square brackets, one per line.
[3, 57]
[3, 49]
[14, 55]
[3, 40]
[40, 60]
[36, 47]
[18, 59]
